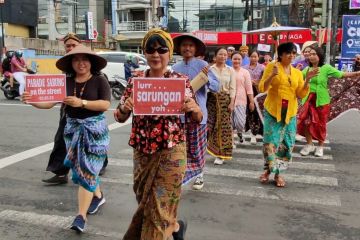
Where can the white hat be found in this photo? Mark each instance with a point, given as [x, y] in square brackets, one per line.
[231, 48]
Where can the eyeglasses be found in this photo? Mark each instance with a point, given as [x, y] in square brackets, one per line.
[160, 50]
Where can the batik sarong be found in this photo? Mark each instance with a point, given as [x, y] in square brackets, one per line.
[253, 121]
[220, 131]
[196, 149]
[279, 141]
[157, 185]
[239, 118]
[313, 118]
[87, 142]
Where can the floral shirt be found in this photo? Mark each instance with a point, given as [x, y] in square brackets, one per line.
[150, 134]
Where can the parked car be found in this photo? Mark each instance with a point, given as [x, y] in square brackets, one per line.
[115, 66]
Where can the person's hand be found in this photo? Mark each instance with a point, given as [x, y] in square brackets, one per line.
[251, 106]
[299, 66]
[205, 69]
[26, 97]
[117, 115]
[314, 72]
[128, 105]
[73, 101]
[231, 107]
[254, 82]
[190, 105]
[275, 70]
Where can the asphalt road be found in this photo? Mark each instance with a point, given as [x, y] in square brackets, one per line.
[320, 201]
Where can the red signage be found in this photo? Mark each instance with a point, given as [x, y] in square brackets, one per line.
[46, 87]
[323, 35]
[293, 36]
[158, 96]
[207, 37]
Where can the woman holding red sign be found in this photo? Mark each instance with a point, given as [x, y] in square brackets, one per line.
[86, 134]
[159, 150]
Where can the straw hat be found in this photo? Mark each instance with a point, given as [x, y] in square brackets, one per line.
[97, 62]
[200, 46]
[308, 44]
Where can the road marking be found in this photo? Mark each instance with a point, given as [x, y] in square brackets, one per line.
[260, 138]
[296, 178]
[260, 144]
[244, 161]
[294, 154]
[7, 161]
[53, 221]
[129, 151]
[319, 198]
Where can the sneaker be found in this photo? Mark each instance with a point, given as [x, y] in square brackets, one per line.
[319, 152]
[78, 224]
[56, 180]
[240, 137]
[198, 184]
[180, 235]
[253, 140]
[96, 204]
[307, 149]
[218, 161]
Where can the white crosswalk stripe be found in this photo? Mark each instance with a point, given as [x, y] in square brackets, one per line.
[239, 176]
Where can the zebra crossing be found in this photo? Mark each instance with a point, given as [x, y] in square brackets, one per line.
[309, 179]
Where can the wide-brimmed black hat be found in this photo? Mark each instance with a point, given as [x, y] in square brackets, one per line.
[97, 62]
[200, 46]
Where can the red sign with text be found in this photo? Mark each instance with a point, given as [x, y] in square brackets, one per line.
[158, 96]
[46, 87]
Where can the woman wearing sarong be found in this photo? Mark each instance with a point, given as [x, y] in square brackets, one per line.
[313, 115]
[284, 85]
[159, 151]
[86, 134]
[253, 121]
[220, 106]
[243, 91]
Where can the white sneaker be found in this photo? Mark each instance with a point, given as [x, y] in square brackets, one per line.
[307, 149]
[319, 152]
[253, 140]
[198, 184]
[218, 161]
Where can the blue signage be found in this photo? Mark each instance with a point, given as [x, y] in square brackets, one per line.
[350, 44]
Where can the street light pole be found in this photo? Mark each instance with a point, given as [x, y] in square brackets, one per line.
[2, 29]
[328, 40]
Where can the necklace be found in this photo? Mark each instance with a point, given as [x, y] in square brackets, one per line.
[82, 89]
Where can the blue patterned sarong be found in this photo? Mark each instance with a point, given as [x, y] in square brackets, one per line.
[87, 142]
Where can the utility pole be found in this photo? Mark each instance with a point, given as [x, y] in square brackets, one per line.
[51, 20]
[328, 40]
[335, 20]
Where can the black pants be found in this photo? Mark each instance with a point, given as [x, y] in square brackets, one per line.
[58, 154]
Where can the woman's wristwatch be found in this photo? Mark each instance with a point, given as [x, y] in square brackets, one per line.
[84, 103]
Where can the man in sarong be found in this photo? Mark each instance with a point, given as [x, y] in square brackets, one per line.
[189, 47]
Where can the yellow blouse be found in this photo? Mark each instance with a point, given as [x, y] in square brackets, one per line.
[283, 87]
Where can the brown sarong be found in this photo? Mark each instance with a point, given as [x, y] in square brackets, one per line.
[157, 185]
[220, 131]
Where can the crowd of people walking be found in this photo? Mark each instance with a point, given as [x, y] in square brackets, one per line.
[169, 151]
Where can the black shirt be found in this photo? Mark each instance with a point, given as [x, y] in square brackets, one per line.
[96, 88]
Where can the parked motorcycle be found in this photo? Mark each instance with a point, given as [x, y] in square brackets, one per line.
[12, 92]
[117, 86]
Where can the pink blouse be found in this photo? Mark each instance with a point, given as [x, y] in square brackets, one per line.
[243, 86]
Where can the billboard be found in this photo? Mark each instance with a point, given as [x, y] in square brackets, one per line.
[350, 44]
[21, 12]
[354, 4]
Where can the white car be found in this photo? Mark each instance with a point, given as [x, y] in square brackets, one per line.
[115, 64]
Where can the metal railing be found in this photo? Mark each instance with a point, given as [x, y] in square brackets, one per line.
[133, 26]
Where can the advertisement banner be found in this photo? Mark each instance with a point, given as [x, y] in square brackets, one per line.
[158, 96]
[350, 44]
[354, 4]
[89, 24]
[46, 87]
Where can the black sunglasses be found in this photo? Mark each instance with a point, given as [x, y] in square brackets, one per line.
[160, 50]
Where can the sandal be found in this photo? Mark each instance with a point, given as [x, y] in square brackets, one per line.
[264, 178]
[280, 182]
